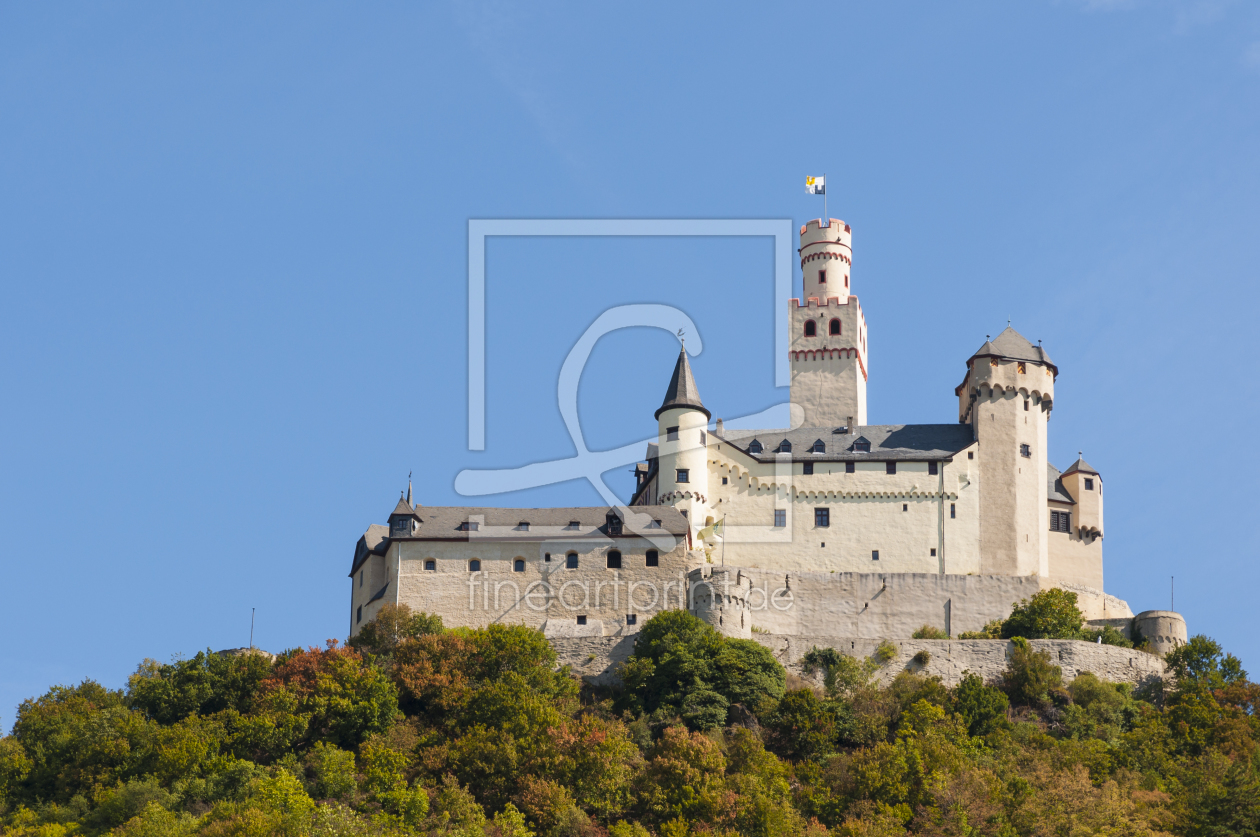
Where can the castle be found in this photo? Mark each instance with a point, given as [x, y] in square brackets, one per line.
[831, 527]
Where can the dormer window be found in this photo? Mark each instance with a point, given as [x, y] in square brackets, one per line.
[400, 527]
[655, 524]
[613, 523]
[523, 526]
[818, 447]
[785, 446]
[469, 526]
[574, 524]
[754, 446]
[862, 446]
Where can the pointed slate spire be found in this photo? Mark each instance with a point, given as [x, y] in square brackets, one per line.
[682, 390]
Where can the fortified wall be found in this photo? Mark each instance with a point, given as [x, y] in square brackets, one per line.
[598, 659]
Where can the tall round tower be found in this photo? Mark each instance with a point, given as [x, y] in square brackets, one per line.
[827, 351]
[683, 468]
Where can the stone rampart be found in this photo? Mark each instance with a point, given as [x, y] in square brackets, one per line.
[597, 659]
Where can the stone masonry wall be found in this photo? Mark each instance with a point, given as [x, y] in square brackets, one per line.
[596, 659]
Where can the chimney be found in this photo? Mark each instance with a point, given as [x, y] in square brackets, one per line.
[718, 428]
[852, 425]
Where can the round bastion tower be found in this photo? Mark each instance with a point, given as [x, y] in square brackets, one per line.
[721, 597]
[827, 351]
[683, 470]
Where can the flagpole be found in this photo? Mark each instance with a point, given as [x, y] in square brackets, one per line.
[826, 217]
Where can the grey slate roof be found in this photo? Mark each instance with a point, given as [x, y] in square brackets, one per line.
[906, 442]
[403, 508]
[682, 390]
[373, 542]
[1055, 490]
[1012, 345]
[443, 522]
[1081, 465]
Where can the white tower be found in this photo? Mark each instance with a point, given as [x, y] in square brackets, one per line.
[683, 470]
[828, 346]
[1007, 397]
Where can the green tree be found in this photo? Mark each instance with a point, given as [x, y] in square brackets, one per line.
[392, 625]
[982, 708]
[1030, 676]
[802, 726]
[205, 684]
[1049, 614]
[1202, 662]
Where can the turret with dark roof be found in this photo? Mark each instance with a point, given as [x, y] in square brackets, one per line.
[1011, 345]
[682, 390]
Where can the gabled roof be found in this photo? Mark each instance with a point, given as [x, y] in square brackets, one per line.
[1081, 465]
[1055, 491]
[905, 442]
[682, 390]
[373, 542]
[1011, 345]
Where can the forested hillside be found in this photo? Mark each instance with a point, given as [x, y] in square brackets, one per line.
[419, 730]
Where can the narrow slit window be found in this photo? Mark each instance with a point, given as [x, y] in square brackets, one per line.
[951, 511]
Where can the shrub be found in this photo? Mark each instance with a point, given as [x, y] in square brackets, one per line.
[1031, 676]
[802, 726]
[842, 674]
[1110, 636]
[991, 630]
[923, 657]
[885, 652]
[929, 632]
[393, 624]
[1049, 614]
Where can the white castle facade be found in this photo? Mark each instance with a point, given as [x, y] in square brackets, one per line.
[832, 527]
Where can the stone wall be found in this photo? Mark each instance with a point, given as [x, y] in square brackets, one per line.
[596, 659]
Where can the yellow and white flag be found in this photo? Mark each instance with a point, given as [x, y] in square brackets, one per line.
[717, 529]
[815, 185]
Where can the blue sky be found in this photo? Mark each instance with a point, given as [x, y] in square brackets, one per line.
[233, 272]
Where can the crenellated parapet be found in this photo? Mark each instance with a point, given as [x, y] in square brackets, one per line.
[721, 597]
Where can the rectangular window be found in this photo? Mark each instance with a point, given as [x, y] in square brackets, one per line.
[780, 518]
[684, 475]
[704, 440]
[1060, 521]
[581, 620]
[1025, 451]
[932, 468]
[905, 507]
[671, 434]
[951, 511]
[874, 554]
[890, 467]
[850, 467]
[632, 618]
[809, 468]
[971, 454]
[359, 616]
[723, 480]
[653, 558]
[1089, 484]
[933, 553]
[360, 578]
[822, 517]
[1025, 405]
[822, 277]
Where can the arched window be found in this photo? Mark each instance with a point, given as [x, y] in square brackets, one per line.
[614, 559]
[811, 328]
[518, 566]
[754, 446]
[653, 558]
[570, 561]
[474, 566]
[430, 565]
[834, 327]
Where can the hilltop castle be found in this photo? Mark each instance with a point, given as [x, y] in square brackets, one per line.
[832, 527]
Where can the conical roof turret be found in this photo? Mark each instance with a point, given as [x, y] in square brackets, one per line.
[682, 390]
[1012, 345]
[1081, 465]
